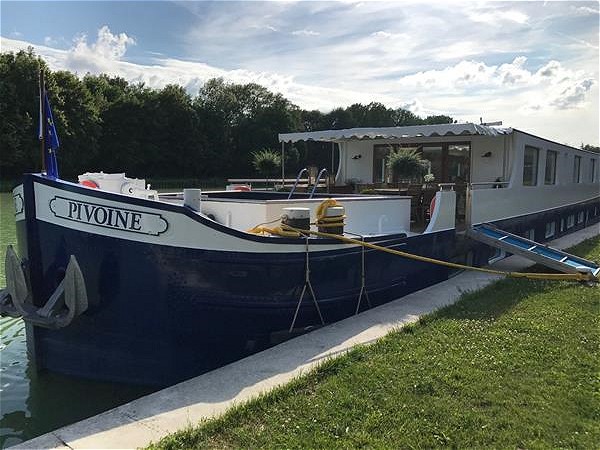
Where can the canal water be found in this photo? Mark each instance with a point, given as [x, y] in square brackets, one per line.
[33, 403]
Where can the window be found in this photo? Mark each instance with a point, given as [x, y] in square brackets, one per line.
[570, 221]
[580, 217]
[592, 170]
[458, 161]
[529, 234]
[577, 169]
[550, 176]
[530, 166]
[562, 224]
[550, 229]
[380, 169]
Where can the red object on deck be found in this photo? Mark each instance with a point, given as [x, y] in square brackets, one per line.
[90, 184]
[431, 207]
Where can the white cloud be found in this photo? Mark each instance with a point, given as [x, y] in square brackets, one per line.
[382, 34]
[551, 86]
[416, 106]
[574, 95]
[498, 17]
[586, 10]
[99, 56]
[431, 59]
[107, 46]
[106, 55]
[305, 32]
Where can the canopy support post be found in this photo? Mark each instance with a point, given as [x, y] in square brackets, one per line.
[282, 164]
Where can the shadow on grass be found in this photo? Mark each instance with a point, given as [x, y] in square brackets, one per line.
[488, 304]
[501, 297]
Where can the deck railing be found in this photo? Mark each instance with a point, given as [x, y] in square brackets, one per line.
[489, 184]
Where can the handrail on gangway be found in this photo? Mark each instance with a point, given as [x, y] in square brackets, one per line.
[312, 193]
[297, 180]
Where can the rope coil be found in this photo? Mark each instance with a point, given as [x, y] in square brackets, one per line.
[324, 221]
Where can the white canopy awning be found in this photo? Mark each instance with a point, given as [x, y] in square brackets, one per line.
[451, 129]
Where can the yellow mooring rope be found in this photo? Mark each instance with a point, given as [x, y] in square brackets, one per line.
[328, 222]
[528, 275]
[322, 220]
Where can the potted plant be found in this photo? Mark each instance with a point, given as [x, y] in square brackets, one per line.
[429, 179]
[267, 162]
[406, 163]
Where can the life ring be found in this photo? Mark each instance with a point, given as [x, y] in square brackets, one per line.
[431, 207]
[90, 184]
[242, 188]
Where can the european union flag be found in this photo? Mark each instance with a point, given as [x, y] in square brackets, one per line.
[51, 141]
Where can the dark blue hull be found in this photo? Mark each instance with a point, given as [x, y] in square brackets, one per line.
[160, 314]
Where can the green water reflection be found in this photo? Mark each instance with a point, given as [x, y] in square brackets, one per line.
[31, 402]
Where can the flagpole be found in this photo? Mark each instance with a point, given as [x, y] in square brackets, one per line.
[43, 119]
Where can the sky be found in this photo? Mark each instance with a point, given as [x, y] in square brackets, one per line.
[532, 65]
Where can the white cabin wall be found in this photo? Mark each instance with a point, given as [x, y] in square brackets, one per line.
[488, 168]
[359, 170]
[565, 160]
[564, 167]
[515, 200]
[506, 161]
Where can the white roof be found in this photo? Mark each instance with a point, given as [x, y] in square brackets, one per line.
[450, 129]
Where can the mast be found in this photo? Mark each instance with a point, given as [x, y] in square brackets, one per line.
[43, 120]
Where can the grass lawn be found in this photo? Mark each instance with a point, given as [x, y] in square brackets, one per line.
[513, 365]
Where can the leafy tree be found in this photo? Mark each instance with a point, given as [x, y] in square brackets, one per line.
[77, 118]
[19, 110]
[237, 118]
[372, 115]
[439, 119]
[106, 123]
[590, 148]
[404, 117]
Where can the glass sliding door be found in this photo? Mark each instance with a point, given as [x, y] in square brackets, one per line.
[381, 172]
[458, 163]
[435, 155]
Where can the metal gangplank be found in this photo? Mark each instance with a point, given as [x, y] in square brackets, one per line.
[534, 251]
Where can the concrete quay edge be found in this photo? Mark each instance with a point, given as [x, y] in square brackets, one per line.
[139, 422]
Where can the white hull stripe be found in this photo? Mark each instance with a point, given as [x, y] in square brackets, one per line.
[121, 220]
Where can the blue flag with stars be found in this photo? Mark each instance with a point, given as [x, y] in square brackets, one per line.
[51, 141]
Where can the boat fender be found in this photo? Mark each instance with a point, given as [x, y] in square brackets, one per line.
[16, 285]
[242, 188]
[90, 184]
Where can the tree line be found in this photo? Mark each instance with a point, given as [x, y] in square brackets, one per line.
[106, 123]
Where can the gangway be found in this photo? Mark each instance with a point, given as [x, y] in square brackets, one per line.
[534, 251]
